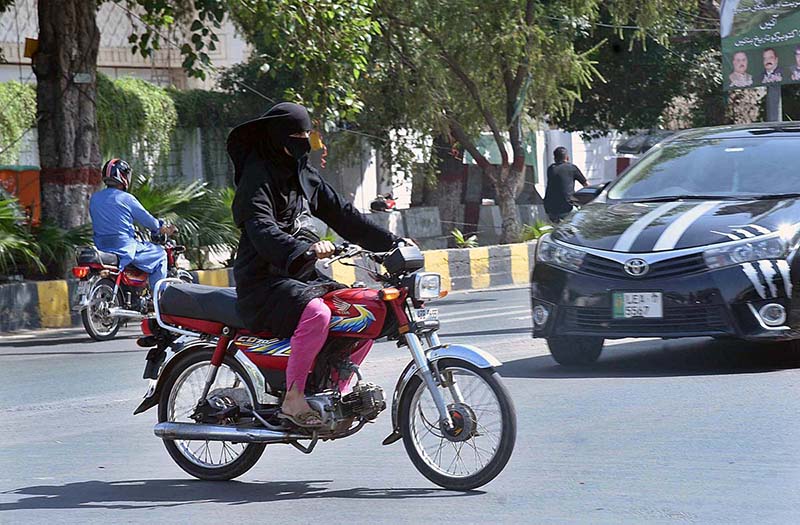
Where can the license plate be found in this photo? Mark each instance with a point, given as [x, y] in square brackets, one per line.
[83, 288]
[427, 314]
[631, 305]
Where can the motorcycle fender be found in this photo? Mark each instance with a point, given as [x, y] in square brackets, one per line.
[154, 388]
[471, 354]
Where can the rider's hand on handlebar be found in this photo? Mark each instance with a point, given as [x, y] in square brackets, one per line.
[323, 249]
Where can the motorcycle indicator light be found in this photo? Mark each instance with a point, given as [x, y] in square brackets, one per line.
[80, 271]
[443, 294]
[389, 294]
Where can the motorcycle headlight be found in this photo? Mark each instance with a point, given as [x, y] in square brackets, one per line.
[558, 255]
[747, 250]
[427, 285]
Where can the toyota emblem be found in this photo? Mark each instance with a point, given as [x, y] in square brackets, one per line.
[636, 267]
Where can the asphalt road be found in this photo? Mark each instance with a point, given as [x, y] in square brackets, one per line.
[657, 432]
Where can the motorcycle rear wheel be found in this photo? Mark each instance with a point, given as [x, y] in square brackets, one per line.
[242, 456]
[490, 441]
[96, 321]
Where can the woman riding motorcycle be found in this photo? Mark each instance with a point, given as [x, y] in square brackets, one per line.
[277, 284]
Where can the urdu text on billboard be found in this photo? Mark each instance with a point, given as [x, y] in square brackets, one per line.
[760, 42]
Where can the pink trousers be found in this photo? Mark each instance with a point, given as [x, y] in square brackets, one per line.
[307, 341]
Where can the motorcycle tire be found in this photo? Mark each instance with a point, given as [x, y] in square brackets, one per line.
[508, 429]
[253, 451]
[105, 286]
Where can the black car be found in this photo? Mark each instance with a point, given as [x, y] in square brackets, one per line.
[699, 238]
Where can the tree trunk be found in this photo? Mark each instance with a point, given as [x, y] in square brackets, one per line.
[507, 181]
[66, 73]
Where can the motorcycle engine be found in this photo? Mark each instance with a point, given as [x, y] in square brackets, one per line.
[366, 401]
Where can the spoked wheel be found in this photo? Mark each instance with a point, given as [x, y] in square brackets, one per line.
[210, 460]
[96, 316]
[481, 441]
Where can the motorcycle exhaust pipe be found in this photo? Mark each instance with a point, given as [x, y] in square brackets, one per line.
[127, 314]
[199, 432]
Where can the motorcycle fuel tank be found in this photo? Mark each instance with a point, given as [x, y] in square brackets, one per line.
[356, 312]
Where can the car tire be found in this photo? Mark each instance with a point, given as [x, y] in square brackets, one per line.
[575, 350]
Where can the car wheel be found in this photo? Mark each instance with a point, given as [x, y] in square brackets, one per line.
[575, 350]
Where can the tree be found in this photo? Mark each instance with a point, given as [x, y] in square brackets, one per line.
[487, 65]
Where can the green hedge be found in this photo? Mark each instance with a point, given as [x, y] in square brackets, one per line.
[18, 103]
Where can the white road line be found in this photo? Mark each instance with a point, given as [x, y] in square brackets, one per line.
[473, 317]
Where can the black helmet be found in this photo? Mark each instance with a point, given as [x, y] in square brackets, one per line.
[117, 171]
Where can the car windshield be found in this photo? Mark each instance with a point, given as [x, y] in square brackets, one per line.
[719, 168]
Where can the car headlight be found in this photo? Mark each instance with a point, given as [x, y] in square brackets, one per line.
[558, 255]
[427, 285]
[747, 250]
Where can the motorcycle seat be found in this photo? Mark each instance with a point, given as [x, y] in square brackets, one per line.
[207, 303]
[109, 259]
[90, 254]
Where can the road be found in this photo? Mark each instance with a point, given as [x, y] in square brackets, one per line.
[690, 431]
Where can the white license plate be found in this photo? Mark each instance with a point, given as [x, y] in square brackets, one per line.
[427, 314]
[630, 305]
[83, 288]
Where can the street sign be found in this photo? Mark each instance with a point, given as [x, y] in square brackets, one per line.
[760, 43]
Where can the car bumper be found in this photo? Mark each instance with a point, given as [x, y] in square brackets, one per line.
[717, 303]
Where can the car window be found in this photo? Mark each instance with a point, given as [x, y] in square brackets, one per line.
[720, 167]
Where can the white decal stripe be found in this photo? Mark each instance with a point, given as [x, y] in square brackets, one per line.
[669, 239]
[783, 267]
[749, 270]
[630, 235]
[769, 275]
[728, 235]
[744, 233]
[759, 229]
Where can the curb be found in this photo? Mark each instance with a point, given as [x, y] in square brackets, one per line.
[46, 304]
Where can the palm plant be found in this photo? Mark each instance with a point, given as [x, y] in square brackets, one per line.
[57, 245]
[533, 231]
[463, 241]
[17, 247]
[201, 214]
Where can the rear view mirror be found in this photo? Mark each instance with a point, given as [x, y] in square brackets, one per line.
[589, 193]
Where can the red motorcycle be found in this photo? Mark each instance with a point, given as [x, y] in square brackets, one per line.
[107, 298]
[220, 388]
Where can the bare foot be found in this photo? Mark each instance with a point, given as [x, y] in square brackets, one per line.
[295, 403]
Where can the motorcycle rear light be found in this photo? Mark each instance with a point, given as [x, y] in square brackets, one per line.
[80, 271]
[146, 327]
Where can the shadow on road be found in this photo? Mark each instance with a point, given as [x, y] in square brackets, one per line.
[161, 493]
[77, 337]
[664, 359]
[499, 331]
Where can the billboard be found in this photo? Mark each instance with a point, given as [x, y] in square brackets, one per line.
[760, 42]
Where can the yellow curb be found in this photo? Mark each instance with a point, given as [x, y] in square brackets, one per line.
[53, 304]
[438, 261]
[520, 266]
[213, 277]
[479, 267]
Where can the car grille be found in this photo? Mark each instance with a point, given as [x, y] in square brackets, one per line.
[677, 319]
[601, 267]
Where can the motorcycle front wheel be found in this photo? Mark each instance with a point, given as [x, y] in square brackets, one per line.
[96, 319]
[479, 445]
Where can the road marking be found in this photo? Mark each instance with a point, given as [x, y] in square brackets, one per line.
[630, 235]
[670, 237]
[473, 317]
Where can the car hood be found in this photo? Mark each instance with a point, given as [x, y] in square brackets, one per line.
[643, 227]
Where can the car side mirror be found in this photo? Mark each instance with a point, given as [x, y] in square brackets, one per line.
[589, 193]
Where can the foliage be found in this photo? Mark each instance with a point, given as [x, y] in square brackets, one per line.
[533, 231]
[203, 17]
[198, 108]
[18, 115]
[56, 244]
[462, 241]
[323, 44]
[17, 246]
[202, 215]
[135, 119]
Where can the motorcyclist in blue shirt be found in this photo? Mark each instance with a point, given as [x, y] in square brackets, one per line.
[114, 212]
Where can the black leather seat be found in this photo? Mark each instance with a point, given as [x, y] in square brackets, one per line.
[90, 254]
[109, 259]
[196, 301]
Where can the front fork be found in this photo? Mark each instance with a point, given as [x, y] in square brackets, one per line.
[433, 383]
